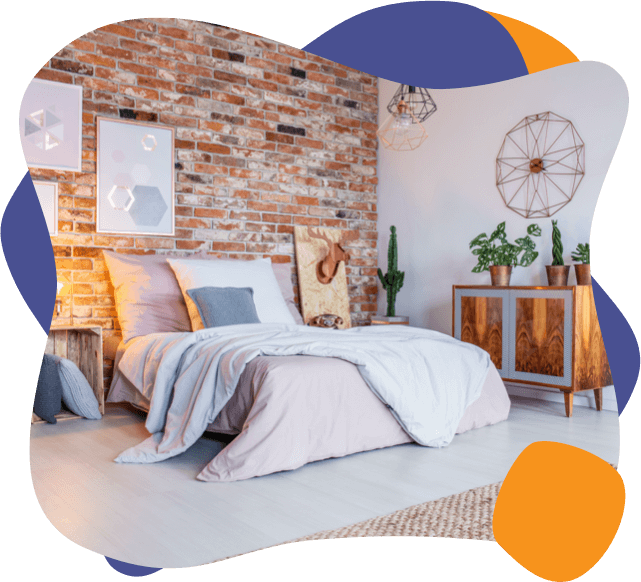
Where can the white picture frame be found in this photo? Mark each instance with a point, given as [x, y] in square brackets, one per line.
[135, 193]
[47, 193]
[51, 125]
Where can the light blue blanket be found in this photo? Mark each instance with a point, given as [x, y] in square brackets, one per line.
[426, 379]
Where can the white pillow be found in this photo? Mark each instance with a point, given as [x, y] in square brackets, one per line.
[258, 274]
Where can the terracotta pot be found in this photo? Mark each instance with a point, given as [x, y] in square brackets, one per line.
[583, 274]
[500, 275]
[558, 275]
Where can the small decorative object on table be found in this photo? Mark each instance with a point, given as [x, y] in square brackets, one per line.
[499, 259]
[327, 320]
[558, 271]
[392, 282]
[582, 255]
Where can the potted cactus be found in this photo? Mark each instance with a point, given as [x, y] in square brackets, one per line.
[558, 271]
[392, 281]
[498, 256]
[582, 255]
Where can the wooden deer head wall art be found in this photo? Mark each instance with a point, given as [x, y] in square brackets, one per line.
[327, 267]
[322, 280]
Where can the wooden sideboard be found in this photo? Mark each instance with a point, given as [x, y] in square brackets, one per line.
[545, 336]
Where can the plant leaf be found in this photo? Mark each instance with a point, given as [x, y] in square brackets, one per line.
[534, 230]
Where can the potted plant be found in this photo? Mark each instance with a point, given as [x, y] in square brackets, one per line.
[498, 256]
[558, 271]
[582, 255]
[392, 281]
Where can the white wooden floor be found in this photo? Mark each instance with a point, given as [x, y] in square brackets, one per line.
[159, 515]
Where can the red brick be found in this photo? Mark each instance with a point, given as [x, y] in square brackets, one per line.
[307, 181]
[262, 206]
[334, 223]
[294, 209]
[175, 32]
[213, 148]
[236, 215]
[263, 85]
[154, 243]
[306, 221]
[279, 58]
[227, 246]
[278, 218]
[119, 30]
[306, 200]
[275, 197]
[191, 245]
[94, 59]
[155, 83]
[282, 259]
[310, 143]
[210, 212]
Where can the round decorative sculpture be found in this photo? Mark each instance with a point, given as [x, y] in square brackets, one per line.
[540, 165]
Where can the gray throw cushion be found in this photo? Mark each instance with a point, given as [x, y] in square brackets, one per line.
[220, 306]
[77, 394]
[47, 402]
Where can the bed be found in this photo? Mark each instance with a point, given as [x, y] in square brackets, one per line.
[288, 394]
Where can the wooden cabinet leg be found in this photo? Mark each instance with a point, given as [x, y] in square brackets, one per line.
[569, 401]
[598, 397]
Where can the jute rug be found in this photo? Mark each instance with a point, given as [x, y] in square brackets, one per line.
[466, 515]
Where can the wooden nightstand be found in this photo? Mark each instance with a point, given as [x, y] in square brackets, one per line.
[83, 346]
[384, 320]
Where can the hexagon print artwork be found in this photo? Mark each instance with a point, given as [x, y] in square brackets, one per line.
[50, 125]
[135, 178]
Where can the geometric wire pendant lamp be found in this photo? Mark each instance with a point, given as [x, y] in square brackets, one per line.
[402, 130]
[540, 165]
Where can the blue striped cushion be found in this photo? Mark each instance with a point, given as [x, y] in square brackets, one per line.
[77, 394]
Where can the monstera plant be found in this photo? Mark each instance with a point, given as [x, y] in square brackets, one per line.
[496, 250]
[497, 255]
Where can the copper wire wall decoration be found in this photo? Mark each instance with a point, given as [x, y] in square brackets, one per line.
[540, 165]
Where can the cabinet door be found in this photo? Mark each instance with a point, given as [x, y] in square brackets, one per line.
[481, 318]
[541, 332]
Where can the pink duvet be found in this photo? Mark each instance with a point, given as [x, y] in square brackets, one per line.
[291, 410]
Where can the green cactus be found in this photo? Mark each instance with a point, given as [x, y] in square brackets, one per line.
[393, 280]
[557, 245]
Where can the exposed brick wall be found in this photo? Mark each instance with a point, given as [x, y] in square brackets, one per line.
[267, 137]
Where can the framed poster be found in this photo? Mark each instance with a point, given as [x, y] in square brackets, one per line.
[51, 125]
[135, 184]
[47, 193]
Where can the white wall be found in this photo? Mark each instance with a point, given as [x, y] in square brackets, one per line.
[443, 194]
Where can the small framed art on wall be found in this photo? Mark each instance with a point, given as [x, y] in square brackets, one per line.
[47, 193]
[135, 184]
[51, 125]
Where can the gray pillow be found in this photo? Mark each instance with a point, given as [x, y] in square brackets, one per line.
[47, 402]
[77, 394]
[220, 306]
